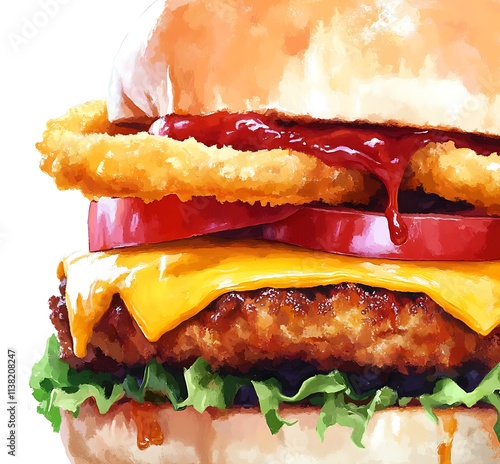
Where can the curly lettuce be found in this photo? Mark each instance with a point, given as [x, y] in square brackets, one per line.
[57, 386]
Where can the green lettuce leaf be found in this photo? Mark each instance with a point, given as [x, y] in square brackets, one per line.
[337, 410]
[48, 375]
[71, 402]
[55, 385]
[335, 389]
[156, 381]
[447, 394]
[270, 396]
[494, 400]
[206, 388]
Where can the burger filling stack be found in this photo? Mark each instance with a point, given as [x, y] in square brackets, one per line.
[294, 243]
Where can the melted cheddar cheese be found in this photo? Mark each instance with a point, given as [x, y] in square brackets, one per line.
[164, 285]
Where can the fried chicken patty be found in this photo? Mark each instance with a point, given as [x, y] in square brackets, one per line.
[328, 327]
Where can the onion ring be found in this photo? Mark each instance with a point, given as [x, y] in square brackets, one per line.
[457, 174]
[83, 150]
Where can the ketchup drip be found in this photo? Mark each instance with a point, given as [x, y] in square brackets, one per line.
[382, 150]
[148, 429]
[449, 424]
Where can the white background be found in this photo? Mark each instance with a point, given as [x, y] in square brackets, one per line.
[49, 62]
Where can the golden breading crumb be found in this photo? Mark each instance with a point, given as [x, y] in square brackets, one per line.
[81, 150]
[457, 174]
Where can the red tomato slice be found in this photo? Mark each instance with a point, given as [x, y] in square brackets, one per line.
[351, 232]
[122, 222]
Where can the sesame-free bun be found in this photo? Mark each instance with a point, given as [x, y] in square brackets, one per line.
[413, 62]
[394, 436]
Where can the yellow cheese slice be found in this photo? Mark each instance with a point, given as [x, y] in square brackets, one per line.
[164, 285]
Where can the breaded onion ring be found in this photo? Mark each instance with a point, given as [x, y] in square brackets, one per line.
[457, 174]
[83, 150]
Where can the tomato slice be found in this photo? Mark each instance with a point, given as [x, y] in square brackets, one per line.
[351, 232]
[122, 222]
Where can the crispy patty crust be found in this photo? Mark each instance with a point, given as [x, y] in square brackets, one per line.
[329, 327]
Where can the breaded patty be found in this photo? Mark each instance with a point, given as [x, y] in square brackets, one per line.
[328, 327]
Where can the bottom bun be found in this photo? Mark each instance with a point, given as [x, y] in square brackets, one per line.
[241, 436]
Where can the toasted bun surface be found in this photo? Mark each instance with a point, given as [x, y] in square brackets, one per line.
[241, 436]
[414, 62]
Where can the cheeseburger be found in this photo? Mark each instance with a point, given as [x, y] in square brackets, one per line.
[294, 241]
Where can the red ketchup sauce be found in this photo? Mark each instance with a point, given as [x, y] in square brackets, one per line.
[148, 429]
[381, 150]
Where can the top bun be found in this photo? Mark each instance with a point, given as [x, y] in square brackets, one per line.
[412, 62]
